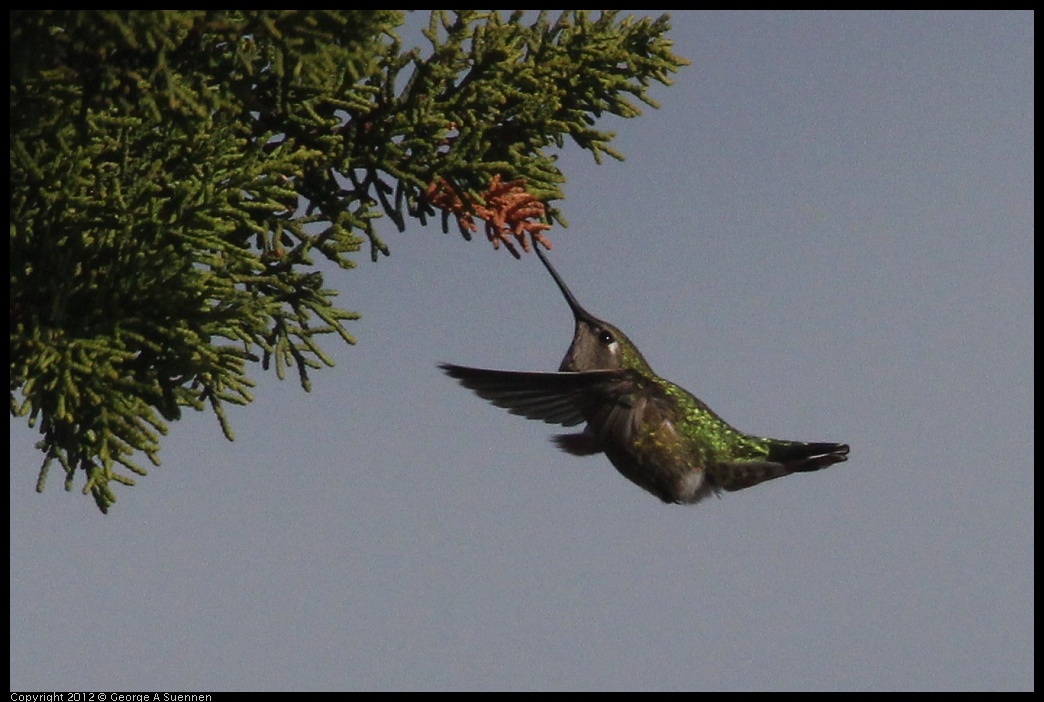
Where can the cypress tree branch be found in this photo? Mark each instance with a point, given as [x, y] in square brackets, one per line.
[175, 174]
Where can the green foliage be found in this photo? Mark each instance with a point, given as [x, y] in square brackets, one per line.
[175, 174]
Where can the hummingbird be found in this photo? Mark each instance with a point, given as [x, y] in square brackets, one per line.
[657, 434]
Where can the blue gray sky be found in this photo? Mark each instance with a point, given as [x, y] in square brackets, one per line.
[826, 233]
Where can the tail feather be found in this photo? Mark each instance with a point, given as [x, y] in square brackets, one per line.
[802, 457]
[785, 457]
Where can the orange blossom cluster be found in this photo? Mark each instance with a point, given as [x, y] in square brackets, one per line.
[506, 208]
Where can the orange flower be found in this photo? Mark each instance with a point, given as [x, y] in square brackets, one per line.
[509, 212]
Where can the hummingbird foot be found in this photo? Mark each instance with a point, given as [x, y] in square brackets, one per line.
[582, 444]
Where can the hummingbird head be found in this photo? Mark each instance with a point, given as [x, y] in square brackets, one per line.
[597, 345]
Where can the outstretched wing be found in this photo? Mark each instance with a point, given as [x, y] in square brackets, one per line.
[556, 398]
[614, 403]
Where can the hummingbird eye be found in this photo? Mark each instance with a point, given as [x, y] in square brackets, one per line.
[605, 337]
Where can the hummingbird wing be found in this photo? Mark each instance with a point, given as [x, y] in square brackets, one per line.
[556, 398]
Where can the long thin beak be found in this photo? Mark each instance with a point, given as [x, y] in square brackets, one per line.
[579, 312]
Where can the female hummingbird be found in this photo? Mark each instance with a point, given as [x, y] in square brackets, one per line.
[657, 434]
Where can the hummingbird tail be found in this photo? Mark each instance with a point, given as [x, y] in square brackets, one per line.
[785, 457]
[803, 457]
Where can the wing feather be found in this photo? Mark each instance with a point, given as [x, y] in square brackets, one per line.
[556, 398]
